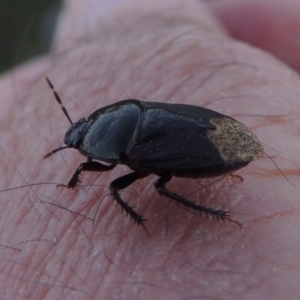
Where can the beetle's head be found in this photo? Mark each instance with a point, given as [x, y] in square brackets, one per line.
[72, 137]
[74, 133]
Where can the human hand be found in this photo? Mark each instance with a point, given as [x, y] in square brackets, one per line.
[156, 51]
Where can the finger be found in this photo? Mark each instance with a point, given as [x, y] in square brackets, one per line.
[272, 25]
[83, 17]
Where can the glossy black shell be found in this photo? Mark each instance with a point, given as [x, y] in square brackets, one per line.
[155, 137]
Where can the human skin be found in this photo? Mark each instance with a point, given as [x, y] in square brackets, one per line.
[168, 52]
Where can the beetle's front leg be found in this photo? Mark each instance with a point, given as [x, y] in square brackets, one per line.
[92, 166]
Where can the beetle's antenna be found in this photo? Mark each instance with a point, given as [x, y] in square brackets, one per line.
[55, 150]
[58, 100]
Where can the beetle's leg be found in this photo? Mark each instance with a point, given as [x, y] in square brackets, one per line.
[236, 176]
[160, 186]
[122, 183]
[92, 166]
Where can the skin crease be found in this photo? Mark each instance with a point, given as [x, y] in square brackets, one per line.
[169, 52]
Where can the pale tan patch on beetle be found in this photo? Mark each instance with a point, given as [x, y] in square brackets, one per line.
[235, 142]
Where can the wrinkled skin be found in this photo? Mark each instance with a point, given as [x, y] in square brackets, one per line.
[172, 52]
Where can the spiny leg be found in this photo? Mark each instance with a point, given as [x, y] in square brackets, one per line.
[91, 166]
[160, 186]
[122, 183]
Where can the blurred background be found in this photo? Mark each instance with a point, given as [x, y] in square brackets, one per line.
[26, 29]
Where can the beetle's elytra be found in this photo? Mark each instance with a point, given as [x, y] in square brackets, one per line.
[162, 139]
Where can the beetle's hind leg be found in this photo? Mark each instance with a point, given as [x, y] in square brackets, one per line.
[122, 183]
[160, 186]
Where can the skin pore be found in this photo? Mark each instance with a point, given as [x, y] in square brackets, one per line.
[160, 52]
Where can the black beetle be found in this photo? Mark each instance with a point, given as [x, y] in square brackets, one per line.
[162, 139]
